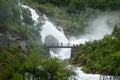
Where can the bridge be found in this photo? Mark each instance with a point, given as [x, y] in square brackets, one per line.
[73, 47]
[60, 46]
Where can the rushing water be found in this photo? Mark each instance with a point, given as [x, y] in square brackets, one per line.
[34, 15]
[49, 29]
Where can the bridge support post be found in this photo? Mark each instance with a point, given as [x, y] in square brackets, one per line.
[72, 51]
[48, 51]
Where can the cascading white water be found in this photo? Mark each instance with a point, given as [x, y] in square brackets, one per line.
[49, 29]
[34, 16]
[97, 30]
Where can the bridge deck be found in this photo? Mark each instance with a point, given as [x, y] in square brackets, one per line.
[61, 46]
[73, 48]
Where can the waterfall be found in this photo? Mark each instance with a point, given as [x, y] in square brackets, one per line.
[49, 29]
[34, 15]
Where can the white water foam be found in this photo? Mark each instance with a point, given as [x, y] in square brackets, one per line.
[98, 28]
[49, 29]
[34, 16]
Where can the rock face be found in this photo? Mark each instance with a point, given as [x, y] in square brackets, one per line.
[8, 37]
[51, 41]
[43, 11]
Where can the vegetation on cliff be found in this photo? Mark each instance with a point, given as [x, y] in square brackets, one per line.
[74, 16]
[15, 65]
[21, 52]
[100, 56]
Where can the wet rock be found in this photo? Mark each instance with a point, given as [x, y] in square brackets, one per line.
[51, 41]
[8, 36]
[23, 47]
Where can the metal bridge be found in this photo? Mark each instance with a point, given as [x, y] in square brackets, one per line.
[59, 46]
[74, 48]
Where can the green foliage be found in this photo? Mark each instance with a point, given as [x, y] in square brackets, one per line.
[101, 56]
[74, 17]
[76, 6]
[71, 23]
[54, 69]
[11, 62]
[17, 76]
[27, 20]
[55, 2]
[14, 64]
[111, 64]
[9, 12]
[16, 27]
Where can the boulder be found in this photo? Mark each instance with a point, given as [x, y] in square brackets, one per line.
[51, 41]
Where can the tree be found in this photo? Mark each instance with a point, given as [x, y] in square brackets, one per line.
[101, 56]
[27, 20]
[9, 11]
[54, 69]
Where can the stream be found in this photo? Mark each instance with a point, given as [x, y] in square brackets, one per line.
[49, 29]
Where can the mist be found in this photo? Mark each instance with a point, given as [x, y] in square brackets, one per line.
[98, 27]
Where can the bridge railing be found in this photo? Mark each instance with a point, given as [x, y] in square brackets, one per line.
[73, 47]
[64, 45]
